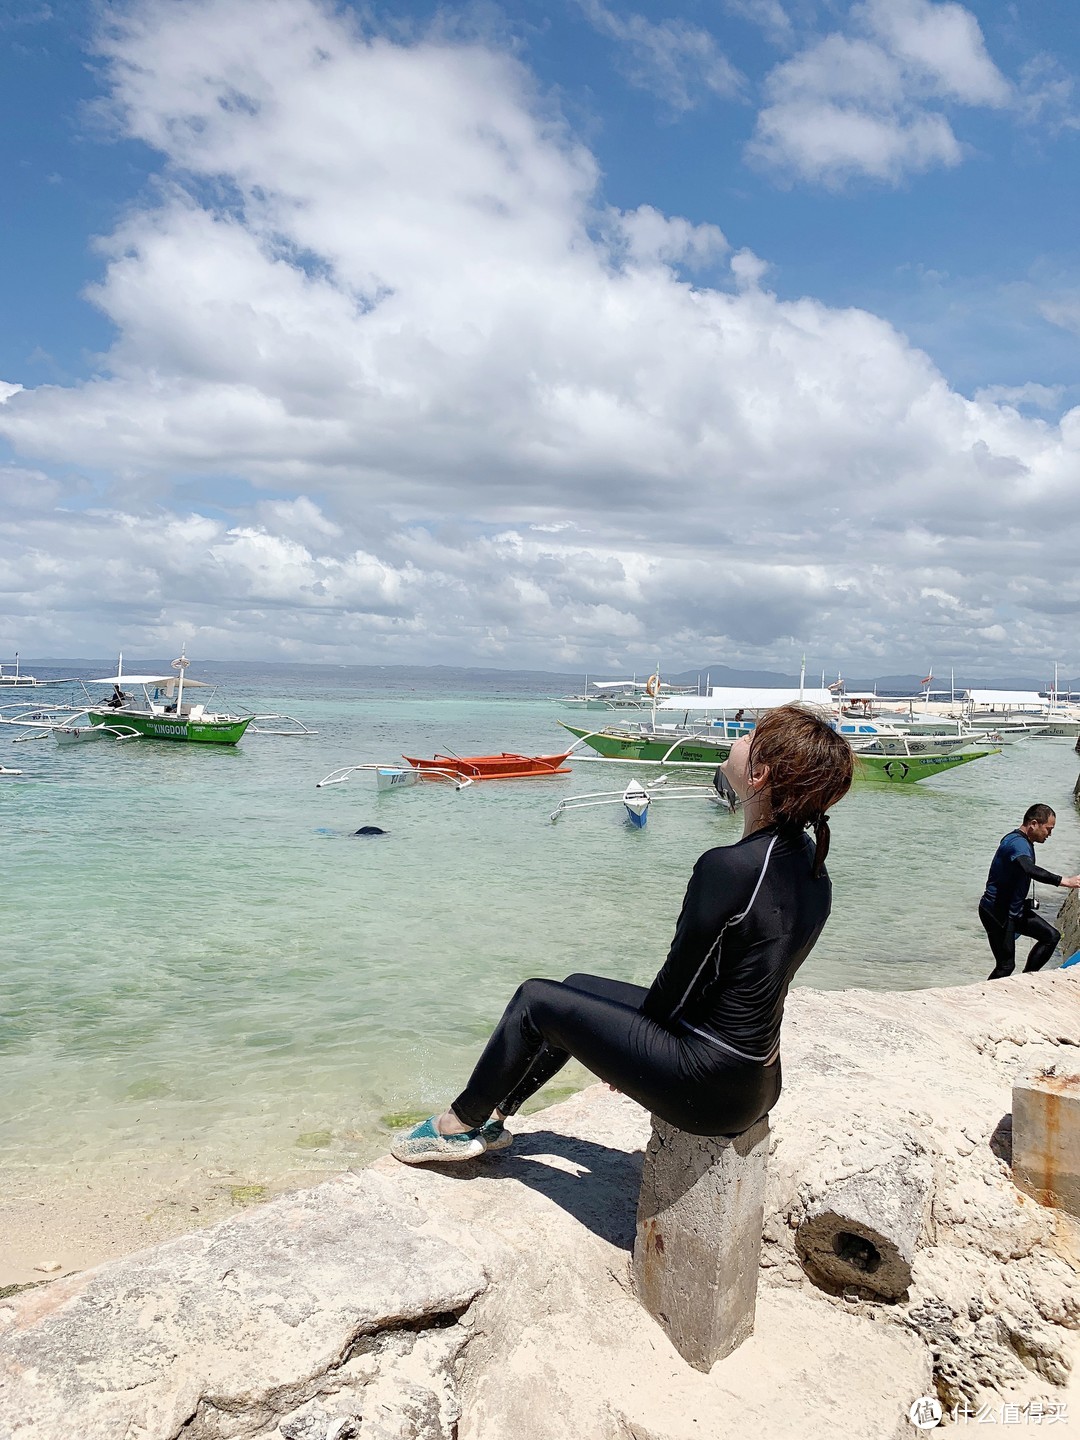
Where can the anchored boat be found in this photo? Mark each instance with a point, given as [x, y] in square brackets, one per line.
[393, 777]
[165, 712]
[907, 769]
[637, 798]
[165, 715]
[505, 766]
[673, 745]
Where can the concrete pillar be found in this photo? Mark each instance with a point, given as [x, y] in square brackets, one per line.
[698, 1245]
[1046, 1136]
[1068, 922]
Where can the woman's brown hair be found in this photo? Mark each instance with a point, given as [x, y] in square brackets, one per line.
[810, 768]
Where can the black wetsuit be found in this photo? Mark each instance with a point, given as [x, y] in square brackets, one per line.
[1006, 911]
[701, 1047]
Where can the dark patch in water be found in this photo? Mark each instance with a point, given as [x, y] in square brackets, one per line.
[369, 830]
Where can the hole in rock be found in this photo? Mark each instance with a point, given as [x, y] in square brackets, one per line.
[857, 1251]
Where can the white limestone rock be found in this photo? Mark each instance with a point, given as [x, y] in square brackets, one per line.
[227, 1329]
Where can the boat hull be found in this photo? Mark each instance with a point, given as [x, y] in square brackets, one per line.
[390, 778]
[506, 766]
[908, 769]
[697, 752]
[170, 727]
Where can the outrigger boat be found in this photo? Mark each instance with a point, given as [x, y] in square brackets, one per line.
[393, 777]
[14, 676]
[505, 766]
[704, 735]
[638, 796]
[163, 714]
[632, 694]
[907, 769]
[690, 747]
[167, 717]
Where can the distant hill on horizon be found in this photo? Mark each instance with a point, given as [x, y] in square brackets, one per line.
[716, 674]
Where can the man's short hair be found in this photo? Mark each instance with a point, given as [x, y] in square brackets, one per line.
[1038, 815]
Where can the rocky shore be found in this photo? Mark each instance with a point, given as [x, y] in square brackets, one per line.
[493, 1302]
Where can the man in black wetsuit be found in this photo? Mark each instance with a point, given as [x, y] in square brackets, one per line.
[1005, 910]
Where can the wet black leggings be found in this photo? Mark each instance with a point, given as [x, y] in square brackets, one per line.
[687, 1081]
[1002, 939]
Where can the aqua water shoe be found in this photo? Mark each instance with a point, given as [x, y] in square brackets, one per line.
[424, 1145]
[496, 1136]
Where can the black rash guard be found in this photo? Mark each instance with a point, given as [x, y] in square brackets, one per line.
[752, 914]
[700, 1048]
[1011, 872]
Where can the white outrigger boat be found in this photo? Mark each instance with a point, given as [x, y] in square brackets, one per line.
[13, 678]
[638, 796]
[394, 777]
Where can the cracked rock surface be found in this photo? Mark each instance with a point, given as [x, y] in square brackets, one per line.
[222, 1332]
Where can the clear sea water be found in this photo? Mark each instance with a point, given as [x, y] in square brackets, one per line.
[199, 958]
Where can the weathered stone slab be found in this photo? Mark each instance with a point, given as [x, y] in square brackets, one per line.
[1046, 1136]
[243, 1320]
[698, 1241]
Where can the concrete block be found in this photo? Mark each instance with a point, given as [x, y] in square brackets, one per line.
[1068, 920]
[698, 1245]
[1046, 1137]
[863, 1231]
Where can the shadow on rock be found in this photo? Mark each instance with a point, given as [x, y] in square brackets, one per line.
[1001, 1139]
[600, 1190]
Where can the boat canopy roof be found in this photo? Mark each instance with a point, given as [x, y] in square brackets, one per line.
[123, 680]
[737, 698]
[1022, 699]
[635, 685]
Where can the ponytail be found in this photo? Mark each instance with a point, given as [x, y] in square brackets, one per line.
[821, 838]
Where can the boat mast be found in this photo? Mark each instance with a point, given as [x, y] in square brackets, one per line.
[180, 666]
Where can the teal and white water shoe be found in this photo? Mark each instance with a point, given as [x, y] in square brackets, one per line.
[423, 1145]
[496, 1136]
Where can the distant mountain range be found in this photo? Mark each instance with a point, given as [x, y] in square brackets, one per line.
[886, 684]
[721, 675]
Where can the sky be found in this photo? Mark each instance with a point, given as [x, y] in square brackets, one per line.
[546, 333]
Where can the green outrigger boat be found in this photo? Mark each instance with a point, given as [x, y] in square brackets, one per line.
[674, 746]
[211, 730]
[166, 714]
[907, 769]
[166, 711]
[698, 750]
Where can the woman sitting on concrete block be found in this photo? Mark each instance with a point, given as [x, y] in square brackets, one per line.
[701, 1047]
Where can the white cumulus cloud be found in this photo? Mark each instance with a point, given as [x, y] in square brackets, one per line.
[868, 103]
[391, 379]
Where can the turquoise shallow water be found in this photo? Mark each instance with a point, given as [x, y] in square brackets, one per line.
[193, 964]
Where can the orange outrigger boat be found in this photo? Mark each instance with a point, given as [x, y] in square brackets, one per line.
[506, 766]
